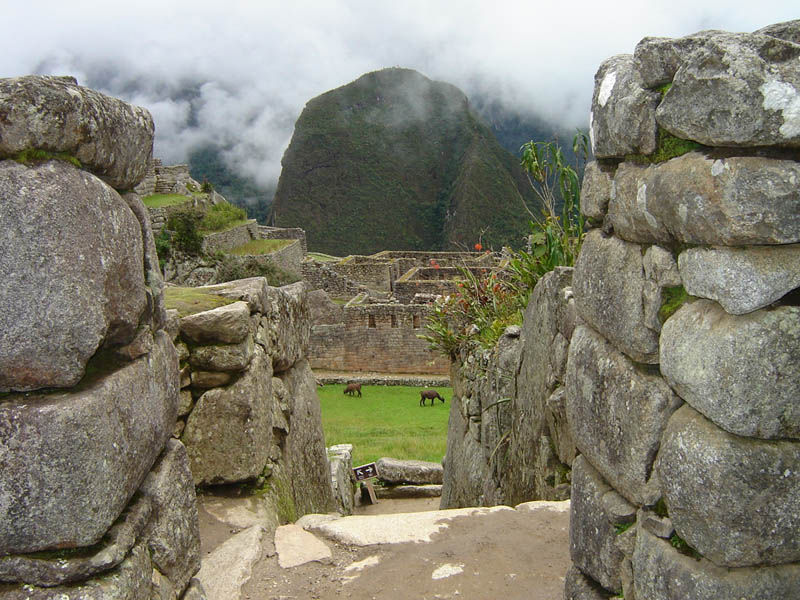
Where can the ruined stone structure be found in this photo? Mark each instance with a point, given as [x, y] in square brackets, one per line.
[170, 179]
[508, 439]
[249, 407]
[680, 426]
[106, 428]
[372, 337]
[690, 429]
[382, 335]
[89, 378]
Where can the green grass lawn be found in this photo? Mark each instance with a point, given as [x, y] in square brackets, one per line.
[162, 200]
[385, 421]
[321, 257]
[256, 247]
[189, 301]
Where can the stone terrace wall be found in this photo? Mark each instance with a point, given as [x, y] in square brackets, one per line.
[249, 408]
[378, 338]
[89, 478]
[284, 233]
[222, 241]
[375, 274]
[323, 276]
[508, 440]
[690, 429]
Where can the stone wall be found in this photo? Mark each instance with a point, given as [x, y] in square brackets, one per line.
[90, 480]
[249, 409]
[688, 425]
[322, 276]
[223, 241]
[169, 179]
[284, 233]
[378, 338]
[508, 440]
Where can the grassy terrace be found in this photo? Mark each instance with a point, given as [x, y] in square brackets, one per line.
[162, 200]
[188, 301]
[256, 247]
[386, 421]
[322, 257]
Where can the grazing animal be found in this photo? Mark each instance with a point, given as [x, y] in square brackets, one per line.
[429, 395]
[352, 388]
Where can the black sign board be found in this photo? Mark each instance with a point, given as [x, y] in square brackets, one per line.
[366, 471]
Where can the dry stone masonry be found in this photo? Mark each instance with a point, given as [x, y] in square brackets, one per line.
[249, 409]
[688, 479]
[96, 500]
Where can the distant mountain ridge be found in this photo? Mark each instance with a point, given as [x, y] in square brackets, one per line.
[396, 160]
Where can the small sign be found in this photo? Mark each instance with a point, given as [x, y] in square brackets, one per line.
[366, 471]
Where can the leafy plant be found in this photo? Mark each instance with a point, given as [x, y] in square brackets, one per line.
[487, 302]
[623, 527]
[185, 225]
[37, 155]
[683, 547]
[672, 298]
[163, 246]
[222, 215]
[232, 268]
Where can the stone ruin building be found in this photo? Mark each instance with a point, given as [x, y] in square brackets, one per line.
[676, 433]
[112, 408]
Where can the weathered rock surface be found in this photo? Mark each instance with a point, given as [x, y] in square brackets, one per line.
[623, 112]
[657, 59]
[93, 444]
[660, 267]
[595, 190]
[731, 498]
[741, 279]
[63, 295]
[592, 536]
[579, 587]
[229, 567]
[617, 412]
[420, 472]
[663, 573]
[741, 372]
[228, 324]
[228, 433]
[289, 325]
[296, 546]
[304, 447]
[540, 371]
[340, 458]
[228, 357]
[736, 90]
[131, 580]
[610, 295]
[788, 30]
[693, 199]
[173, 536]
[111, 138]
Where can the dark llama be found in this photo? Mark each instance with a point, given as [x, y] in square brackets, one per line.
[429, 395]
[352, 388]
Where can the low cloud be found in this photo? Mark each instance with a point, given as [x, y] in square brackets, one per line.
[237, 74]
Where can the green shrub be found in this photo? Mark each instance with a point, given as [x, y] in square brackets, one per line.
[222, 215]
[484, 305]
[185, 225]
[231, 268]
[163, 246]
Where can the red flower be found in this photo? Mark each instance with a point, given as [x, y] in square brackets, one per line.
[478, 247]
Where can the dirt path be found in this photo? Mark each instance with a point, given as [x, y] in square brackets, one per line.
[509, 555]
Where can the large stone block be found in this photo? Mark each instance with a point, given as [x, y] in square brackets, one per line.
[657, 59]
[662, 573]
[227, 324]
[111, 138]
[595, 190]
[287, 323]
[72, 271]
[304, 448]
[228, 433]
[611, 295]
[693, 199]
[70, 462]
[741, 372]
[741, 279]
[173, 536]
[393, 470]
[622, 120]
[131, 580]
[592, 535]
[579, 587]
[731, 498]
[227, 357]
[788, 30]
[736, 90]
[617, 412]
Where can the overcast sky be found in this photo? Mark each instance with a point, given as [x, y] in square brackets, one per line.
[256, 63]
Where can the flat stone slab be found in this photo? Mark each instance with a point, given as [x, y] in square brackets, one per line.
[224, 571]
[296, 546]
[363, 530]
[409, 491]
[415, 472]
